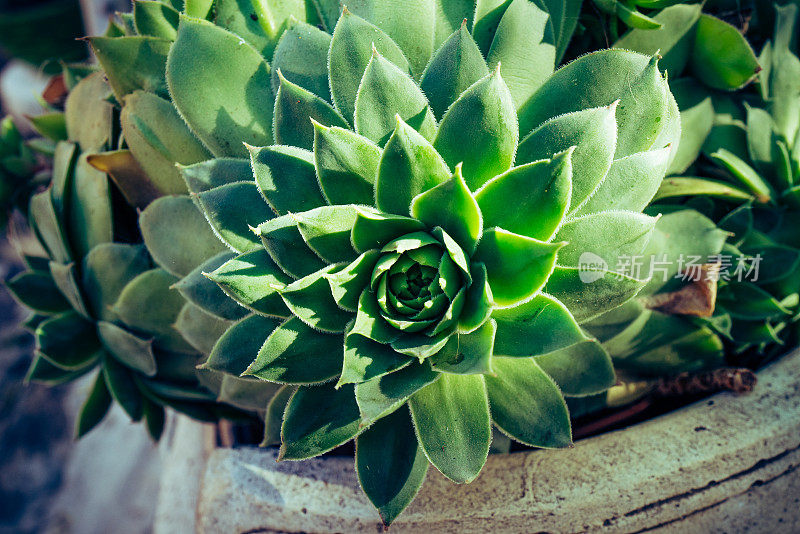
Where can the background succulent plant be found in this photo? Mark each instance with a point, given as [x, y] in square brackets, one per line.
[20, 169]
[409, 162]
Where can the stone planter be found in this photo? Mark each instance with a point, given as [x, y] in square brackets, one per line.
[725, 464]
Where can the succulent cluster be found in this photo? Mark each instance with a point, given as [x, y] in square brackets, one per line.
[20, 169]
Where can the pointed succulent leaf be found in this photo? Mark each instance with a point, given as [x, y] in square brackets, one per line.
[390, 464]
[249, 394]
[106, 270]
[213, 173]
[123, 389]
[238, 347]
[239, 17]
[88, 112]
[94, 408]
[131, 63]
[346, 164]
[327, 231]
[580, 370]
[348, 283]
[200, 328]
[385, 93]
[311, 301]
[48, 228]
[274, 415]
[593, 133]
[197, 8]
[631, 183]
[450, 205]
[302, 58]
[373, 229]
[90, 216]
[158, 138]
[610, 235]
[760, 138]
[294, 353]
[285, 176]
[744, 174]
[225, 103]
[172, 220]
[369, 322]
[253, 280]
[351, 49]
[232, 210]
[381, 396]
[451, 417]
[603, 290]
[488, 14]
[201, 291]
[468, 353]
[453, 69]
[53, 126]
[527, 405]
[129, 177]
[42, 371]
[318, 419]
[721, 57]
[408, 166]
[538, 326]
[480, 131]
[517, 266]
[286, 247]
[366, 359]
[66, 279]
[478, 300]
[68, 341]
[37, 291]
[129, 349]
[750, 302]
[524, 44]
[294, 106]
[541, 192]
[155, 19]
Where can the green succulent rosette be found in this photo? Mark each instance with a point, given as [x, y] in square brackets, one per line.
[408, 230]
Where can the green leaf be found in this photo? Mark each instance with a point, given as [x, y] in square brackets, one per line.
[88, 112]
[381, 396]
[468, 353]
[90, 219]
[721, 57]
[155, 417]
[452, 70]
[346, 165]
[51, 125]
[319, 419]
[237, 17]
[198, 8]
[386, 93]
[106, 270]
[274, 416]
[253, 280]
[538, 326]
[593, 133]
[410, 24]
[541, 192]
[374, 229]
[748, 301]
[451, 206]
[295, 109]
[633, 18]
[123, 389]
[564, 16]
[37, 290]
[302, 58]
[348, 283]
[527, 405]
[451, 417]
[688, 186]
[132, 63]
[488, 14]
[327, 231]
[203, 292]
[480, 131]
[673, 40]
[155, 19]
[603, 290]
[525, 45]
[609, 235]
[517, 266]
[478, 300]
[213, 173]
[285, 176]
[390, 464]
[232, 210]
[66, 280]
[158, 138]
[450, 16]
[172, 220]
[68, 341]
[238, 347]
[350, 52]
[225, 103]
[129, 177]
[580, 370]
[311, 301]
[369, 322]
[366, 359]
[297, 354]
[286, 247]
[130, 350]
[744, 173]
[409, 166]
[47, 227]
[94, 408]
[42, 371]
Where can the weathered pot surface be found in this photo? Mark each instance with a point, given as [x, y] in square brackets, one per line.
[724, 464]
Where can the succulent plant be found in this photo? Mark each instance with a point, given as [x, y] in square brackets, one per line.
[20, 170]
[750, 170]
[416, 243]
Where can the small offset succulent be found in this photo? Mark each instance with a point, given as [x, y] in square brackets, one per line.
[752, 174]
[413, 234]
[20, 170]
